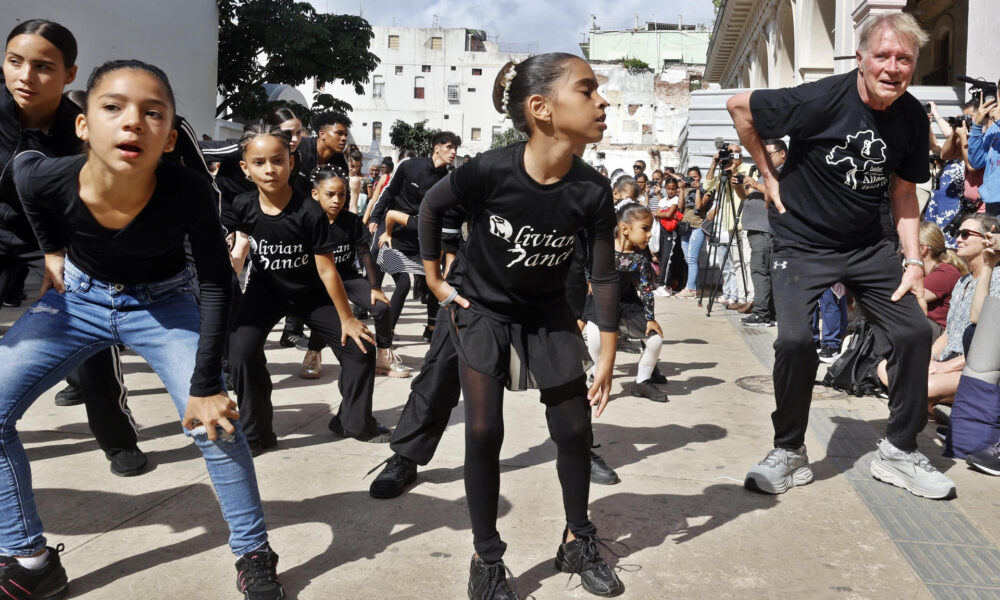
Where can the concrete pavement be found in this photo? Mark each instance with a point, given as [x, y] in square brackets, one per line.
[691, 528]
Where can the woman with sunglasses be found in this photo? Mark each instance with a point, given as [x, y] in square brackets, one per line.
[978, 240]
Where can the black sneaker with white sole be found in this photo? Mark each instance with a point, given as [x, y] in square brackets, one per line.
[646, 389]
[756, 320]
[48, 583]
[828, 355]
[986, 460]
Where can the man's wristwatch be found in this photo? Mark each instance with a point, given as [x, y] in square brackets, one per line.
[913, 261]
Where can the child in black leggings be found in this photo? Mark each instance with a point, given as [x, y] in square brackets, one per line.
[294, 273]
[511, 325]
[352, 240]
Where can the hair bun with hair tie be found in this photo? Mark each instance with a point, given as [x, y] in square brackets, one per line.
[507, 79]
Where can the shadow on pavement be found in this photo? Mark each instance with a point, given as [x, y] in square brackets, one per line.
[361, 528]
[642, 521]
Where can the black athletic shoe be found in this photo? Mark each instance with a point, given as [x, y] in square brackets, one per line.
[489, 581]
[127, 462]
[376, 434]
[581, 556]
[258, 447]
[69, 396]
[47, 583]
[756, 320]
[398, 473]
[428, 332]
[828, 355]
[600, 472]
[293, 340]
[657, 377]
[647, 390]
[257, 575]
[986, 460]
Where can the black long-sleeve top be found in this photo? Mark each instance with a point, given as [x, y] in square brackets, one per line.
[407, 187]
[522, 236]
[149, 248]
[16, 236]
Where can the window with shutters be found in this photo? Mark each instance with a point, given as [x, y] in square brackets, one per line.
[378, 87]
[418, 88]
[476, 134]
[436, 43]
[453, 93]
[377, 130]
[394, 42]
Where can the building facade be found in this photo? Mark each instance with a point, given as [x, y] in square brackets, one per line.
[442, 76]
[647, 108]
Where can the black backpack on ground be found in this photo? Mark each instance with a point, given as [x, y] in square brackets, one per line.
[856, 371]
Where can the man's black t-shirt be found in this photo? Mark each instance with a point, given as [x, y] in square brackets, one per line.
[149, 248]
[841, 159]
[522, 234]
[282, 246]
[352, 240]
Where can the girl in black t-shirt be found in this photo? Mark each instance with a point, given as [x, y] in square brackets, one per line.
[352, 241]
[113, 225]
[511, 325]
[294, 272]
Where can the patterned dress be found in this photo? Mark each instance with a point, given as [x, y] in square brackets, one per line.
[946, 200]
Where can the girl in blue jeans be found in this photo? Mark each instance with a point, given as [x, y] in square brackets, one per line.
[112, 224]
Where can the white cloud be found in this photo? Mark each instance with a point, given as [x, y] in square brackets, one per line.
[555, 25]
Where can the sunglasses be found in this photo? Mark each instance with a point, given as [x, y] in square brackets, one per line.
[636, 166]
[963, 234]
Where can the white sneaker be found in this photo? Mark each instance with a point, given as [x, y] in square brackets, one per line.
[780, 470]
[910, 471]
[662, 291]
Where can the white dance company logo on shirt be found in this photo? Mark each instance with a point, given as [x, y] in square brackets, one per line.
[861, 160]
[278, 256]
[530, 247]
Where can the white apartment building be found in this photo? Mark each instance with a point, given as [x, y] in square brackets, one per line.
[442, 76]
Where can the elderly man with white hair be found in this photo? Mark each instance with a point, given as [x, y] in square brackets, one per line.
[853, 139]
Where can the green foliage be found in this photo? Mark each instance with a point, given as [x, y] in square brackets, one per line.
[283, 41]
[506, 138]
[717, 4]
[635, 65]
[417, 137]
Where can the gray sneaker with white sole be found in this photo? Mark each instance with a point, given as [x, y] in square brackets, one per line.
[910, 471]
[780, 470]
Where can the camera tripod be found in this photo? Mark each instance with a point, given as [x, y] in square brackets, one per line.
[725, 201]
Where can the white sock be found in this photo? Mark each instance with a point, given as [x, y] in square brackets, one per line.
[593, 335]
[34, 563]
[647, 362]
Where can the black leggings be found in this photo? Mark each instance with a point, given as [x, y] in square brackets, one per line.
[399, 295]
[567, 413]
[359, 291]
[259, 311]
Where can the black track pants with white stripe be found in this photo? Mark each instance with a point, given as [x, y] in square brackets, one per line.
[100, 381]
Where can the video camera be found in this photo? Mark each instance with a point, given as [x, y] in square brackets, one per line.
[982, 91]
[726, 157]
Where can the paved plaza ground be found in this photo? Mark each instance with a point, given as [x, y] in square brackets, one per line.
[692, 529]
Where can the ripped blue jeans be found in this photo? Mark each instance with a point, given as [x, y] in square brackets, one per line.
[159, 321]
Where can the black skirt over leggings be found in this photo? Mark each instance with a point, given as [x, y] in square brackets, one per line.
[536, 354]
[259, 312]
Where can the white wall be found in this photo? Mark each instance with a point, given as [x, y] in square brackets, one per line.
[472, 110]
[984, 22]
[179, 36]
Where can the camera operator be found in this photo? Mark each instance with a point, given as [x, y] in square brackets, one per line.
[758, 233]
[855, 138]
[729, 159]
[984, 153]
[696, 206]
[948, 202]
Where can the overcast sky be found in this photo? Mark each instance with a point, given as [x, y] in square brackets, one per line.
[555, 25]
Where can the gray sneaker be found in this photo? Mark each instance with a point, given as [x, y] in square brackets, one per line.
[781, 469]
[911, 471]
